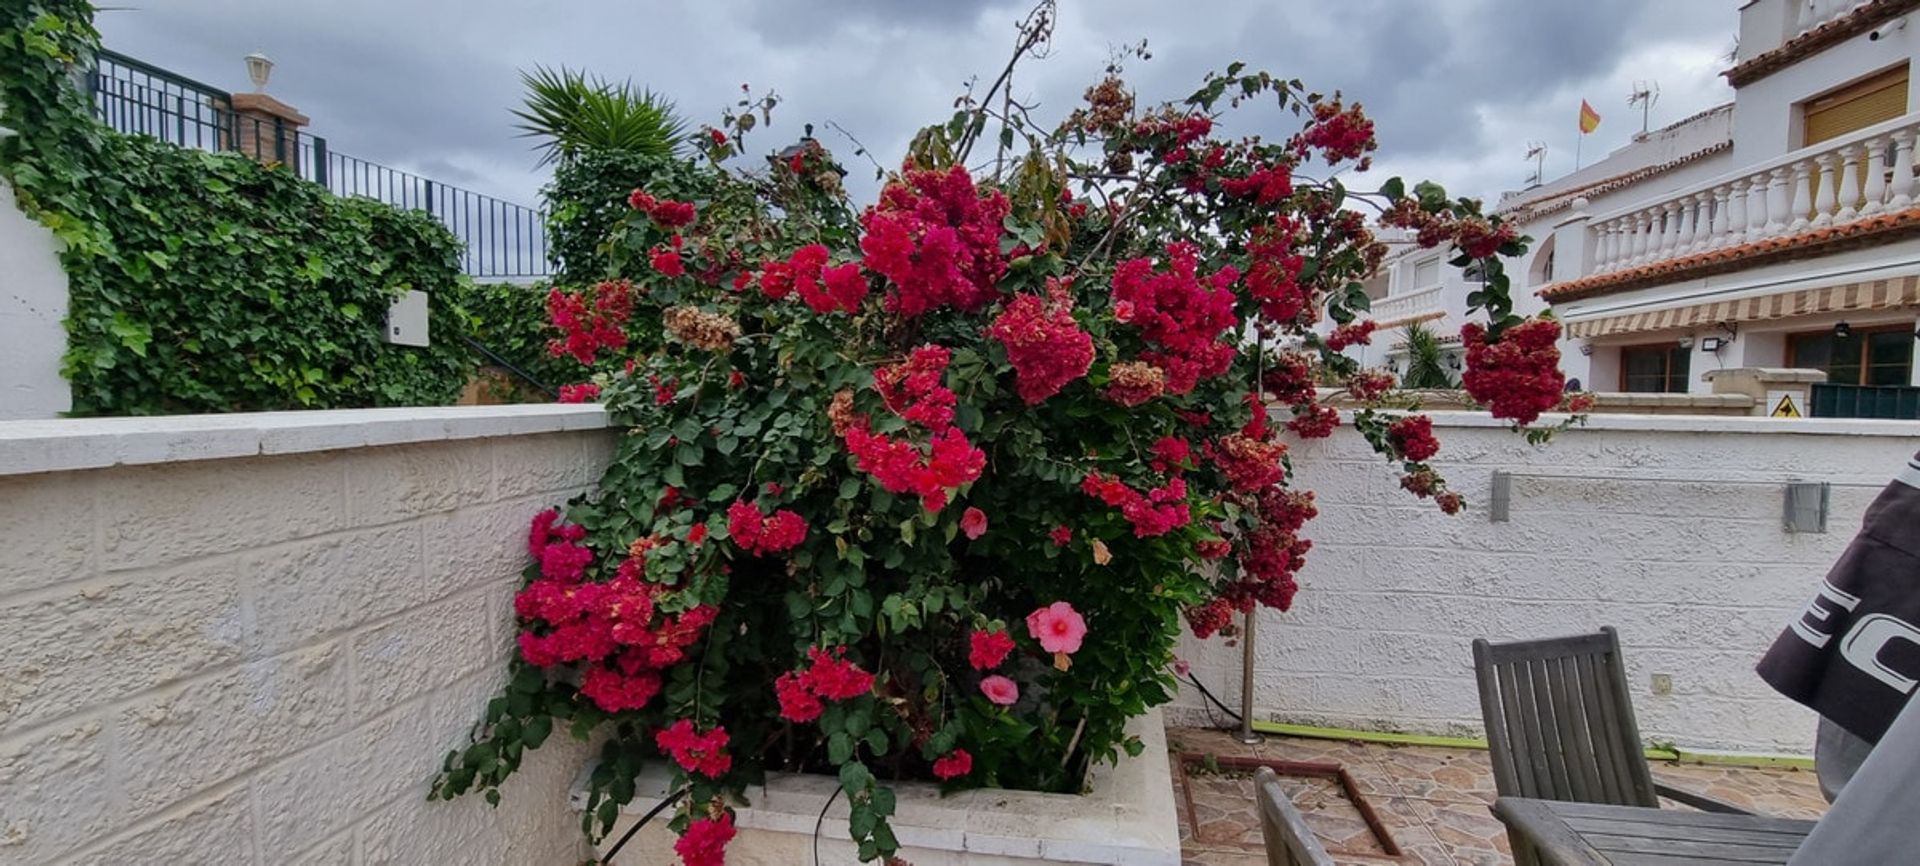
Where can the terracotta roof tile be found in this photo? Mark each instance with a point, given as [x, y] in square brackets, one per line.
[1818, 39]
[1810, 243]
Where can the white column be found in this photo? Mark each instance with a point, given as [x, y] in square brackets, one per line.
[1875, 189]
[1736, 214]
[1683, 228]
[1702, 220]
[1759, 204]
[1902, 188]
[1801, 209]
[1779, 205]
[1849, 187]
[1722, 222]
[1641, 238]
[1827, 198]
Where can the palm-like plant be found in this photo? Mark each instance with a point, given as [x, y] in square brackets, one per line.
[1426, 360]
[572, 112]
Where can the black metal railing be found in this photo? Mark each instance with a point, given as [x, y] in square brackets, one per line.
[1899, 402]
[503, 240]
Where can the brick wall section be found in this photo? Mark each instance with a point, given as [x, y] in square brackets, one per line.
[263, 659]
[1697, 574]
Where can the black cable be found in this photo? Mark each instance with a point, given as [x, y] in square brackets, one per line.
[496, 359]
[822, 820]
[1209, 696]
[657, 809]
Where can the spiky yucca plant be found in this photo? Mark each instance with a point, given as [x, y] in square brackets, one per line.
[572, 111]
[1426, 360]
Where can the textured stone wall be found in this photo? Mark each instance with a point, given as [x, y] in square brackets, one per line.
[1666, 528]
[263, 659]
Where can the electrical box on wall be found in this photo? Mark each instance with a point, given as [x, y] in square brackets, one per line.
[407, 319]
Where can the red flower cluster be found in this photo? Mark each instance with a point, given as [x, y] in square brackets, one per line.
[937, 239]
[1185, 128]
[705, 841]
[913, 390]
[1156, 512]
[1061, 536]
[1480, 238]
[1356, 334]
[1266, 184]
[1171, 454]
[1290, 378]
[1314, 420]
[585, 392]
[987, 649]
[761, 535]
[823, 289]
[1412, 437]
[1177, 315]
[828, 677]
[1273, 271]
[1338, 133]
[1249, 463]
[1516, 375]
[1045, 345]
[1212, 618]
[954, 765]
[1131, 383]
[1370, 385]
[1274, 551]
[667, 212]
[590, 325]
[667, 261]
[705, 754]
[612, 625]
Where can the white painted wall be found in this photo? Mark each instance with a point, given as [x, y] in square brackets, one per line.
[252, 638]
[33, 312]
[1659, 531]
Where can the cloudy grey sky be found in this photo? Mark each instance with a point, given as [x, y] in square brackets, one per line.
[1458, 86]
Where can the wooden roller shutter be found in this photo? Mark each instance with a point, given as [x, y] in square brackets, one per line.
[1857, 106]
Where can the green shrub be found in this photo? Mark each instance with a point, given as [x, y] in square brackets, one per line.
[511, 321]
[204, 282]
[588, 199]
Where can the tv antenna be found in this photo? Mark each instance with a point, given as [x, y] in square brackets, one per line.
[1537, 153]
[1645, 94]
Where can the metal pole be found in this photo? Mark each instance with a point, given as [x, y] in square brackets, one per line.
[1246, 680]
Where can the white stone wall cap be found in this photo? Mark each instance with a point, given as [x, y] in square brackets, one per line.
[1697, 424]
[67, 444]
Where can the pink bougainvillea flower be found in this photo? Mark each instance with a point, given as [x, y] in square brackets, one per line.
[1000, 690]
[798, 703]
[705, 753]
[954, 765]
[1058, 627]
[705, 842]
[987, 649]
[973, 522]
[1061, 535]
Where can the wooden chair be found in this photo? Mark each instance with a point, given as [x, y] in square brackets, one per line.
[1289, 841]
[1560, 724]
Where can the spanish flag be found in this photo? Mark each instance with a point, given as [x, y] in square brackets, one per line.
[1589, 119]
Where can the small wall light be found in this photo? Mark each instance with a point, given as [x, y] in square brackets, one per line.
[259, 69]
[1686, 342]
[1586, 347]
[1712, 344]
[1842, 331]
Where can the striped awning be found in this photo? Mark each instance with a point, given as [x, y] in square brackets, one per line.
[1849, 297]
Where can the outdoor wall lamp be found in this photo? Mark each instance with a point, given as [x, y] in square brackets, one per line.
[1712, 344]
[259, 69]
[1842, 331]
[1586, 346]
[1686, 342]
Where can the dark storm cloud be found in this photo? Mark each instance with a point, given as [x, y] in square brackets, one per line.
[1457, 86]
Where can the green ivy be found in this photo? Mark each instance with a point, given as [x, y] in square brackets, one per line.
[587, 201]
[202, 282]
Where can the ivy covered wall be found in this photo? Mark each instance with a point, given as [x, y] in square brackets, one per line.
[205, 282]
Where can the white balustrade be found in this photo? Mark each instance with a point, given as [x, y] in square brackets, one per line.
[1833, 183]
[1406, 306]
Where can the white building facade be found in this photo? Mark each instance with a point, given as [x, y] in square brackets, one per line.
[1779, 230]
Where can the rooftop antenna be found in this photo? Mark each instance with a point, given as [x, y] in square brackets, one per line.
[1645, 94]
[1537, 152]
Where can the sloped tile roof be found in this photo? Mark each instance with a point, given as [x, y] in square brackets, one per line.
[1818, 39]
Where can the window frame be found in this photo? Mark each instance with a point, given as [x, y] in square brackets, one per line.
[1864, 363]
[1669, 348]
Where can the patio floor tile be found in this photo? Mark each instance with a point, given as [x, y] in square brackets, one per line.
[1431, 801]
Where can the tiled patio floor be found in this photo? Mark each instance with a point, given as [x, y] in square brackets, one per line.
[1432, 801]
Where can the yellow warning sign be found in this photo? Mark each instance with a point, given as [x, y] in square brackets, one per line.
[1785, 407]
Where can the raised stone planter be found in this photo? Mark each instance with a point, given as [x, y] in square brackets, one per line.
[1126, 818]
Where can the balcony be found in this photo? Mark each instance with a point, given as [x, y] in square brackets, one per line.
[1846, 188]
[1416, 305]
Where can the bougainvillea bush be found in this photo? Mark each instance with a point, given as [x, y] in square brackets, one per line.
[925, 490]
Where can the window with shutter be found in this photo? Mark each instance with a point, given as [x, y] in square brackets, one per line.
[1857, 106]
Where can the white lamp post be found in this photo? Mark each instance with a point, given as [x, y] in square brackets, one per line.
[259, 68]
